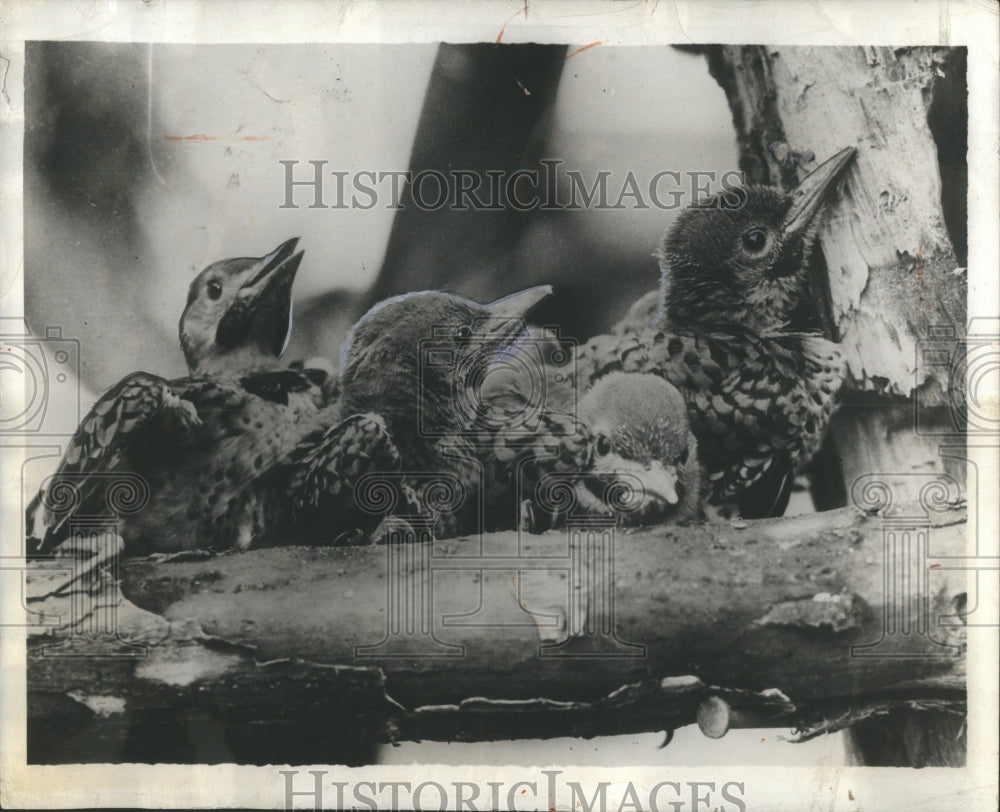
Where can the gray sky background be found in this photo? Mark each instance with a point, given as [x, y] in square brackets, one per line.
[217, 119]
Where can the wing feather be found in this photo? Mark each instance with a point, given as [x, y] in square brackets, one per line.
[102, 444]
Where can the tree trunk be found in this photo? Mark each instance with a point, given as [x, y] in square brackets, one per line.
[890, 275]
[488, 108]
[299, 653]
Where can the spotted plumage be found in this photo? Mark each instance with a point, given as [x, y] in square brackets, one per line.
[215, 458]
[519, 458]
[199, 444]
[753, 401]
[759, 394]
[626, 431]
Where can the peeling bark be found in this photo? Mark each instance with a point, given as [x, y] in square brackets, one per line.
[758, 619]
[890, 268]
[891, 264]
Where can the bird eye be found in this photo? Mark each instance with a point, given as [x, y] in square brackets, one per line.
[754, 241]
[463, 332]
[214, 288]
[683, 458]
[603, 446]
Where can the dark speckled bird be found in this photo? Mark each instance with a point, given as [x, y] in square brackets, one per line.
[207, 449]
[759, 394]
[419, 360]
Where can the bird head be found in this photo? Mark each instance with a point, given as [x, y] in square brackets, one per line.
[641, 435]
[424, 355]
[239, 311]
[746, 262]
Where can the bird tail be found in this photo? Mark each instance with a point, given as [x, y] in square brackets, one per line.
[768, 496]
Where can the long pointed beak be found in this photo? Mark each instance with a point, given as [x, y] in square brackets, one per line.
[262, 307]
[814, 190]
[507, 323]
[520, 304]
[278, 266]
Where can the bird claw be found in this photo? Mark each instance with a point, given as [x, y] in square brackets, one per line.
[350, 538]
[718, 514]
[184, 409]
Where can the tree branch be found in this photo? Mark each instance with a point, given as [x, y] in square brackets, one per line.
[750, 624]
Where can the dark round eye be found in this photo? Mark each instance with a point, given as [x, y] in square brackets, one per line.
[463, 332]
[214, 288]
[683, 458]
[603, 446]
[754, 241]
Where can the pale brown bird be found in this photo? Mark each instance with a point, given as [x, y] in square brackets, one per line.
[213, 459]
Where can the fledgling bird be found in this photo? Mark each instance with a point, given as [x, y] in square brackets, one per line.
[418, 361]
[633, 440]
[759, 394]
[205, 448]
[463, 389]
[640, 428]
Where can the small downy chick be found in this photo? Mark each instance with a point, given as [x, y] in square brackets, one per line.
[641, 436]
[624, 445]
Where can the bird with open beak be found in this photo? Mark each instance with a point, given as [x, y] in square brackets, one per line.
[759, 394]
[200, 453]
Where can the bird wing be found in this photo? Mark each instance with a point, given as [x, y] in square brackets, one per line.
[752, 400]
[321, 377]
[102, 444]
[328, 463]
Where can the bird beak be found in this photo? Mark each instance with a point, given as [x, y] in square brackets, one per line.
[659, 482]
[520, 304]
[814, 190]
[262, 307]
[507, 320]
[273, 272]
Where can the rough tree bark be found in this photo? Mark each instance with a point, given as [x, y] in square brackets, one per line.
[285, 654]
[891, 272]
[894, 245]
